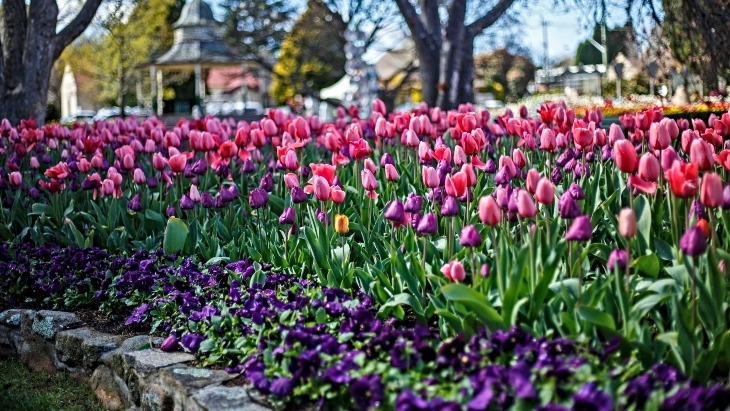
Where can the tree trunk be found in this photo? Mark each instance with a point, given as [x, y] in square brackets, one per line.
[428, 71]
[451, 55]
[30, 46]
[466, 75]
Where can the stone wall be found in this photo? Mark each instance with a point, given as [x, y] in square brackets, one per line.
[124, 373]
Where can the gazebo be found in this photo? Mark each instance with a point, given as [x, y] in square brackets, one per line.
[197, 46]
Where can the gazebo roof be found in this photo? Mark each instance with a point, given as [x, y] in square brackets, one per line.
[195, 13]
[197, 40]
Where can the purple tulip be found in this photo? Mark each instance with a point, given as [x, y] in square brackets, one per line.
[322, 217]
[152, 182]
[450, 207]
[169, 344]
[288, 216]
[726, 197]
[186, 203]
[206, 200]
[580, 230]
[413, 203]
[258, 198]
[248, 167]
[568, 207]
[490, 166]
[135, 204]
[428, 225]
[693, 242]
[617, 259]
[394, 211]
[226, 195]
[576, 192]
[199, 167]
[556, 176]
[470, 237]
[171, 211]
[267, 182]
[415, 220]
[298, 195]
[386, 159]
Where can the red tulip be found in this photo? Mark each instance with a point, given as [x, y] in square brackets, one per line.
[456, 185]
[683, 180]
[228, 149]
[359, 149]
[177, 163]
[324, 170]
[625, 156]
[724, 159]
[711, 190]
[59, 171]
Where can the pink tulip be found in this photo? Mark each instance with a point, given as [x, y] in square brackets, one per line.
[659, 138]
[411, 138]
[15, 179]
[430, 177]
[471, 175]
[700, 153]
[649, 167]
[369, 164]
[545, 192]
[139, 177]
[525, 205]
[711, 190]
[291, 180]
[489, 211]
[533, 178]
[177, 163]
[194, 193]
[321, 188]
[456, 185]
[337, 195]
[368, 180]
[669, 156]
[615, 134]
[150, 146]
[459, 156]
[391, 173]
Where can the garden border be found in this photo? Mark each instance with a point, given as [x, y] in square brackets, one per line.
[124, 372]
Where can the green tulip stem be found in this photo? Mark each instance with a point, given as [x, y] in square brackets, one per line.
[500, 285]
[628, 264]
[424, 253]
[342, 240]
[713, 232]
[473, 266]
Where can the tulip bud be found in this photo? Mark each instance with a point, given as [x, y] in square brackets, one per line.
[428, 225]
[288, 216]
[580, 230]
[394, 211]
[693, 242]
[617, 259]
[627, 223]
[711, 192]
[342, 224]
[545, 192]
[391, 174]
[458, 273]
[525, 205]
[470, 237]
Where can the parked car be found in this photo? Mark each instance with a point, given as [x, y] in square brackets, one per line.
[81, 116]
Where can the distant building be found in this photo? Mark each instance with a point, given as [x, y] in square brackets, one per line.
[74, 95]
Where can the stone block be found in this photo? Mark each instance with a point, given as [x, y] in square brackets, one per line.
[107, 389]
[84, 346]
[48, 323]
[13, 317]
[220, 398]
[155, 398]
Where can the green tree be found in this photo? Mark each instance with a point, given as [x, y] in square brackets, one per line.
[617, 39]
[312, 55]
[256, 28]
[131, 36]
[506, 74]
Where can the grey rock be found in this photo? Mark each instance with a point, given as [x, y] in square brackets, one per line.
[84, 346]
[115, 360]
[155, 398]
[107, 389]
[219, 398]
[182, 381]
[48, 323]
[148, 361]
[13, 317]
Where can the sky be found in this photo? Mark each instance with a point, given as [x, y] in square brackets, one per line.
[565, 28]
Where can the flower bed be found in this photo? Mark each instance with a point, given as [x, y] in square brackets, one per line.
[317, 258]
[294, 342]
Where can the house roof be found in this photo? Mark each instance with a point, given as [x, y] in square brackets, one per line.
[198, 52]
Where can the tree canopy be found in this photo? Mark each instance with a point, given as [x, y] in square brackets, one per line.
[507, 72]
[312, 55]
[618, 40]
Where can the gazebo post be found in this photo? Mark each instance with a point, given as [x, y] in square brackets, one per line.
[153, 87]
[159, 93]
[198, 94]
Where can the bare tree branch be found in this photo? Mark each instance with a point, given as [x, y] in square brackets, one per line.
[419, 33]
[75, 27]
[491, 17]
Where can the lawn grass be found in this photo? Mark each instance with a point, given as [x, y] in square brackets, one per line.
[22, 389]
